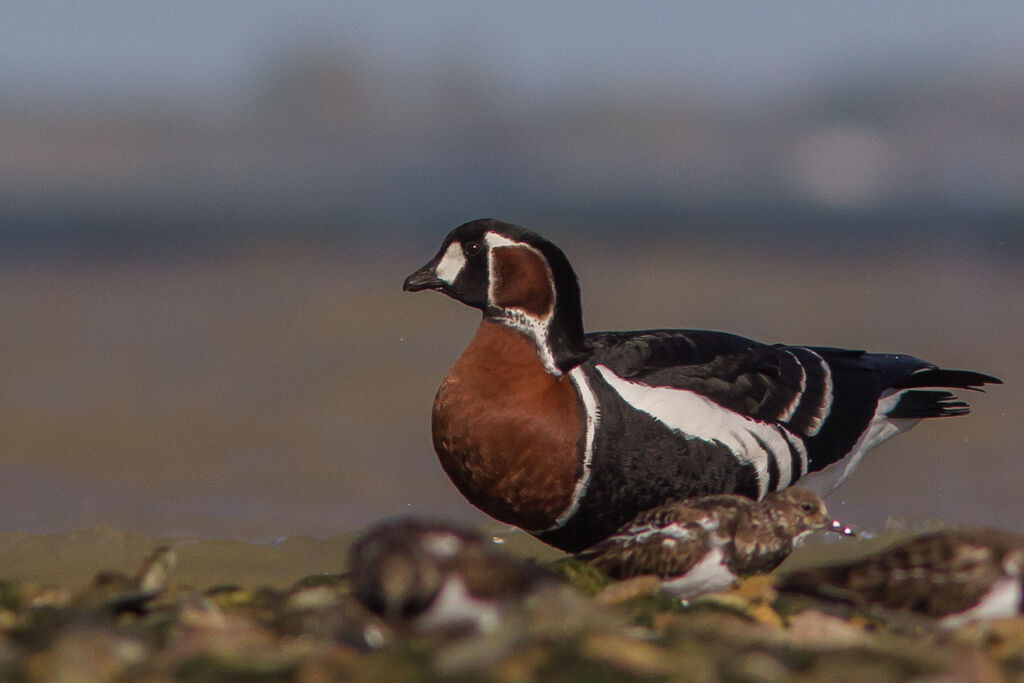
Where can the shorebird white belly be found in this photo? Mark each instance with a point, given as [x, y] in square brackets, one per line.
[1002, 600]
[707, 576]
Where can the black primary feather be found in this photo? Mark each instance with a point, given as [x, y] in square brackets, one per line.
[954, 379]
[920, 404]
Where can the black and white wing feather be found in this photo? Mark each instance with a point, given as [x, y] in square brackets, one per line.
[791, 385]
[792, 388]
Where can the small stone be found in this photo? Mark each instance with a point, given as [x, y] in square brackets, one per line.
[84, 655]
[8, 618]
[47, 596]
[316, 597]
[819, 630]
[629, 655]
[624, 591]
[1001, 638]
[522, 666]
[199, 611]
[732, 601]
[764, 614]
[759, 667]
[325, 579]
[968, 665]
[760, 588]
[342, 621]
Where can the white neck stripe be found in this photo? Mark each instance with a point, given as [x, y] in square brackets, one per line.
[593, 416]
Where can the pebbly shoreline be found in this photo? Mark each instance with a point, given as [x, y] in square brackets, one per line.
[180, 616]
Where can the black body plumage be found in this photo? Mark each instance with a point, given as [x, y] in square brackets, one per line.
[751, 379]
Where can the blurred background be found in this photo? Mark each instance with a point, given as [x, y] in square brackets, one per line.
[207, 210]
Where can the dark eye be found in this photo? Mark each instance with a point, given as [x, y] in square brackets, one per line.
[806, 507]
[471, 248]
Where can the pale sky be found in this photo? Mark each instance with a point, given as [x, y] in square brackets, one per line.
[202, 46]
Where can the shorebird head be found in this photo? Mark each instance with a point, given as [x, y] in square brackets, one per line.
[801, 511]
[392, 573]
[516, 278]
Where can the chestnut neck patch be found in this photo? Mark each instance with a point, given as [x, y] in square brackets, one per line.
[521, 279]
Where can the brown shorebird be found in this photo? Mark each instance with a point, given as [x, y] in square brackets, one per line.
[954, 576]
[436, 576]
[706, 544]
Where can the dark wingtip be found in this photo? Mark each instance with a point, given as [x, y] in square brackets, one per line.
[954, 379]
[922, 403]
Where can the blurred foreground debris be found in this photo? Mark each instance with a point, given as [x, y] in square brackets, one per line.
[572, 623]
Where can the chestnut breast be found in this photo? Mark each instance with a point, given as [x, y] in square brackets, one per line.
[507, 432]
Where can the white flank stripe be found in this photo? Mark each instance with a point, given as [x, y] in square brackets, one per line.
[451, 264]
[881, 427]
[698, 417]
[593, 417]
[826, 396]
[790, 410]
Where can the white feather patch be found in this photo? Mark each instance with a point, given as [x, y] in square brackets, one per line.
[709, 575]
[456, 606]
[881, 427]
[451, 264]
[697, 417]
[1002, 600]
[494, 239]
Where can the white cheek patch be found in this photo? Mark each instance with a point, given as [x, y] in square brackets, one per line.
[451, 264]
